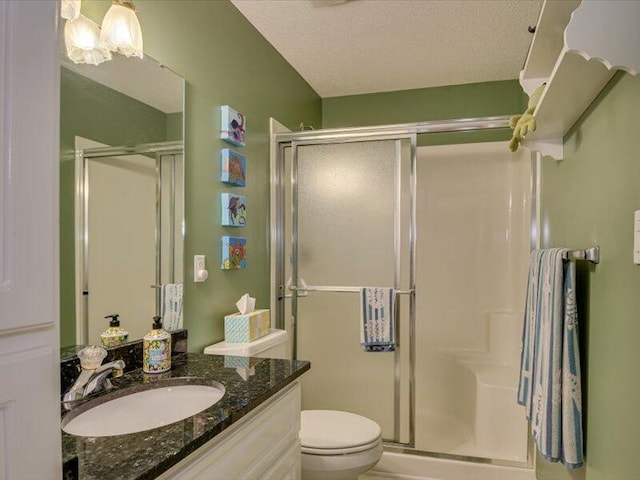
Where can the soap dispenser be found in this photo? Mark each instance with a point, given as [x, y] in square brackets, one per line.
[156, 346]
[115, 334]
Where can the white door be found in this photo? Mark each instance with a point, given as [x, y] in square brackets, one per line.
[29, 258]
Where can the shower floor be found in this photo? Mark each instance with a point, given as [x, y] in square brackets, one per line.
[441, 434]
[491, 439]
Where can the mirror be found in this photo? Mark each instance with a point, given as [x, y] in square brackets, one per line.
[121, 197]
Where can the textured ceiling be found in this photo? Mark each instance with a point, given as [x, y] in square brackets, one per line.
[347, 47]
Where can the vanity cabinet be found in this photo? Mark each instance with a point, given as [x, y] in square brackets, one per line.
[262, 445]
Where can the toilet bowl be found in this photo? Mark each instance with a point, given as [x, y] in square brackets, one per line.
[338, 445]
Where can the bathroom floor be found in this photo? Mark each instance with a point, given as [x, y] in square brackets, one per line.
[386, 476]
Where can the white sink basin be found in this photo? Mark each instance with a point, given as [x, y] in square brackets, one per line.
[143, 410]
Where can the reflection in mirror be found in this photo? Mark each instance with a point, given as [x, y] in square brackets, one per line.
[121, 197]
[129, 236]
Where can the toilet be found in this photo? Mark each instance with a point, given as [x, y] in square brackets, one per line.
[338, 445]
[335, 445]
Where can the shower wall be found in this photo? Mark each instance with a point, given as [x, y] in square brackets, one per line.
[473, 223]
[472, 241]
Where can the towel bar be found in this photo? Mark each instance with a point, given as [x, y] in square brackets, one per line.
[293, 288]
[590, 254]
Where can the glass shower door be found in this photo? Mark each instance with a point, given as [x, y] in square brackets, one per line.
[348, 201]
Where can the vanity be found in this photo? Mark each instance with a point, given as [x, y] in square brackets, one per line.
[251, 432]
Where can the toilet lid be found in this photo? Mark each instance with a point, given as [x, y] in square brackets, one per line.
[326, 429]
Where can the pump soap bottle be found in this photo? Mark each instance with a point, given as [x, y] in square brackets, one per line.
[156, 346]
[115, 334]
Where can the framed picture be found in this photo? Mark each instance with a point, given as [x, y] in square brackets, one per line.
[234, 210]
[233, 167]
[233, 125]
[234, 253]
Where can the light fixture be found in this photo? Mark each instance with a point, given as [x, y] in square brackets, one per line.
[70, 9]
[121, 29]
[82, 40]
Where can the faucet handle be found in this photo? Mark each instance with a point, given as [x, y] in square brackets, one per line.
[91, 357]
[99, 380]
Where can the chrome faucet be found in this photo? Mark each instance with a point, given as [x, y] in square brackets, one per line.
[94, 377]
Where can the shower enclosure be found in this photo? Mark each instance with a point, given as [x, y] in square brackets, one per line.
[129, 216]
[450, 229]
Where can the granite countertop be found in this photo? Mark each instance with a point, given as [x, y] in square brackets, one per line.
[147, 454]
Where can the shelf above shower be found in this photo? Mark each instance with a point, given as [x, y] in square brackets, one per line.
[576, 50]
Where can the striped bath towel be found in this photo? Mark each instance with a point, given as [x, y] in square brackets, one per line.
[549, 385]
[377, 312]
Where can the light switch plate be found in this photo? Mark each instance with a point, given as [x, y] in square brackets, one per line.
[200, 273]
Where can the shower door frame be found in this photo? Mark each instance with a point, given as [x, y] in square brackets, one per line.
[397, 139]
[381, 132]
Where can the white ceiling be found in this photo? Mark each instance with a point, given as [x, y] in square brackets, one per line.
[348, 47]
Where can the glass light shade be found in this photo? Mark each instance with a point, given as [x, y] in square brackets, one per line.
[121, 30]
[70, 9]
[82, 39]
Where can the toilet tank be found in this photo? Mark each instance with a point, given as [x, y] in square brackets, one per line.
[273, 345]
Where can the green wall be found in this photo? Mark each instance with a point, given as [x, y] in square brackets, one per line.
[175, 126]
[91, 110]
[589, 199]
[439, 103]
[224, 61]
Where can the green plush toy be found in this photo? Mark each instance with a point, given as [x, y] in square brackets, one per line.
[525, 123]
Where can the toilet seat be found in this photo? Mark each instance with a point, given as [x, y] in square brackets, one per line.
[330, 432]
[340, 451]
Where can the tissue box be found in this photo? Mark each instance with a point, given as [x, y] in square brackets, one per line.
[243, 328]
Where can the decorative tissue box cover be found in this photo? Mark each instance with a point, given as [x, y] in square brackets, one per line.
[243, 328]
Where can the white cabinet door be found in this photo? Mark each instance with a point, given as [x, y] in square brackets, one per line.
[262, 445]
[288, 466]
[29, 311]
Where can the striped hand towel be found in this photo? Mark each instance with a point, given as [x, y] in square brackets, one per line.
[549, 385]
[377, 312]
[172, 306]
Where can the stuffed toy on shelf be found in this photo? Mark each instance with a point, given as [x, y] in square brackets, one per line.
[525, 123]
